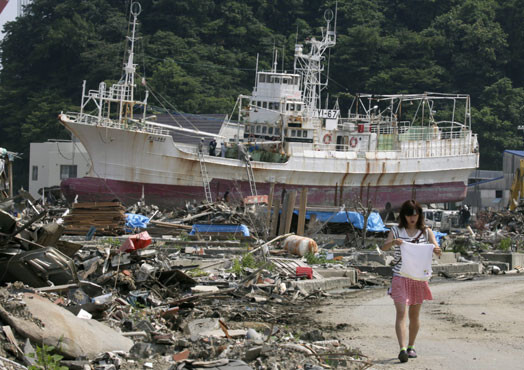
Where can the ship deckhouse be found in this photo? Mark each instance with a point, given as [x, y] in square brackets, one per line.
[274, 104]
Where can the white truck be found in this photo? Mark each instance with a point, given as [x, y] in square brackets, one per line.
[441, 220]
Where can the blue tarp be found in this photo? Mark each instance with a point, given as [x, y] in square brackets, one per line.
[438, 236]
[374, 220]
[201, 228]
[133, 221]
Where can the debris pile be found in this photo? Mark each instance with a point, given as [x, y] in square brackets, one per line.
[191, 289]
[158, 307]
[108, 218]
[219, 213]
[27, 253]
[217, 299]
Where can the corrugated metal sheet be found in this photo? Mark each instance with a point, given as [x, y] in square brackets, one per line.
[520, 153]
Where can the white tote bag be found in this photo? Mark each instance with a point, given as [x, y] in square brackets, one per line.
[416, 260]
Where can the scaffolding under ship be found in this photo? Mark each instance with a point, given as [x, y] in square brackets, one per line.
[388, 148]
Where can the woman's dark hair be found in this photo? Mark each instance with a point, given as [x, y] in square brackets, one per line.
[409, 208]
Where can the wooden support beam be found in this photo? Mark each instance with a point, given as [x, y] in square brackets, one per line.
[302, 212]
[270, 204]
[290, 207]
[274, 218]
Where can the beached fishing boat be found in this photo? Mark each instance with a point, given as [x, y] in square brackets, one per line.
[388, 148]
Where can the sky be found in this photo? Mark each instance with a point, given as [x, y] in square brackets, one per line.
[7, 15]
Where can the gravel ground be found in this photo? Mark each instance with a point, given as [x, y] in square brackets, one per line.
[474, 324]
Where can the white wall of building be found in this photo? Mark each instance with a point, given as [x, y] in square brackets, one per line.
[52, 161]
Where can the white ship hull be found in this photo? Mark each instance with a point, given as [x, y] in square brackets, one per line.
[127, 165]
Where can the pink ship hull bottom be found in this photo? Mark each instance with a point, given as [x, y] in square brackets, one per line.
[91, 189]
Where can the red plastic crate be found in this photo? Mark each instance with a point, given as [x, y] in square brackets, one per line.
[304, 272]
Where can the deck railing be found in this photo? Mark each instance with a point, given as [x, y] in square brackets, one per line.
[117, 92]
[414, 142]
[91, 120]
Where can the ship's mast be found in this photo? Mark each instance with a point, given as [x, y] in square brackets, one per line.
[128, 80]
[310, 65]
[130, 67]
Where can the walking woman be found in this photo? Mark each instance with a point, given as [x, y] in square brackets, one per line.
[408, 294]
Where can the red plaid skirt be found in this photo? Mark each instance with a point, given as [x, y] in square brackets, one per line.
[410, 292]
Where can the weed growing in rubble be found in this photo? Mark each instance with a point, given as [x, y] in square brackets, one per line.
[197, 273]
[46, 359]
[246, 261]
[319, 259]
[505, 244]
[113, 242]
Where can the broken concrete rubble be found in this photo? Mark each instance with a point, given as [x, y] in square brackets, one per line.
[55, 326]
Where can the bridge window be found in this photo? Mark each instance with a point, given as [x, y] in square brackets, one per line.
[67, 171]
[34, 173]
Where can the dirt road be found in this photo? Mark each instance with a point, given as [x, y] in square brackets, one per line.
[469, 325]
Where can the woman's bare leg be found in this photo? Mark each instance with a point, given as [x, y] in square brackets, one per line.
[400, 324]
[414, 322]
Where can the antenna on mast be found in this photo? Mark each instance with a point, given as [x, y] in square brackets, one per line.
[283, 57]
[275, 60]
[336, 14]
[256, 73]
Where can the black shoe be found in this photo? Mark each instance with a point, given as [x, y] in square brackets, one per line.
[403, 356]
[412, 353]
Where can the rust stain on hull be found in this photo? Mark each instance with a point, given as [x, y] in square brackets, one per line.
[342, 185]
[379, 180]
[364, 179]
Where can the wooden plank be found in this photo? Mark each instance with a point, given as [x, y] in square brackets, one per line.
[270, 204]
[81, 212]
[290, 206]
[288, 266]
[302, 212]
[282, 222]
[191, 217]
[11, 337]
[170, 225]
[96, 204]
[274, 218]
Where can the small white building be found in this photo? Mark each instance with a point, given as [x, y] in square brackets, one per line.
[53, 161]
[487, 190]
[491, 189]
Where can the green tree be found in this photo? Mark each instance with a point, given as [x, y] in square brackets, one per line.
[502, 110]
[472, 45]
